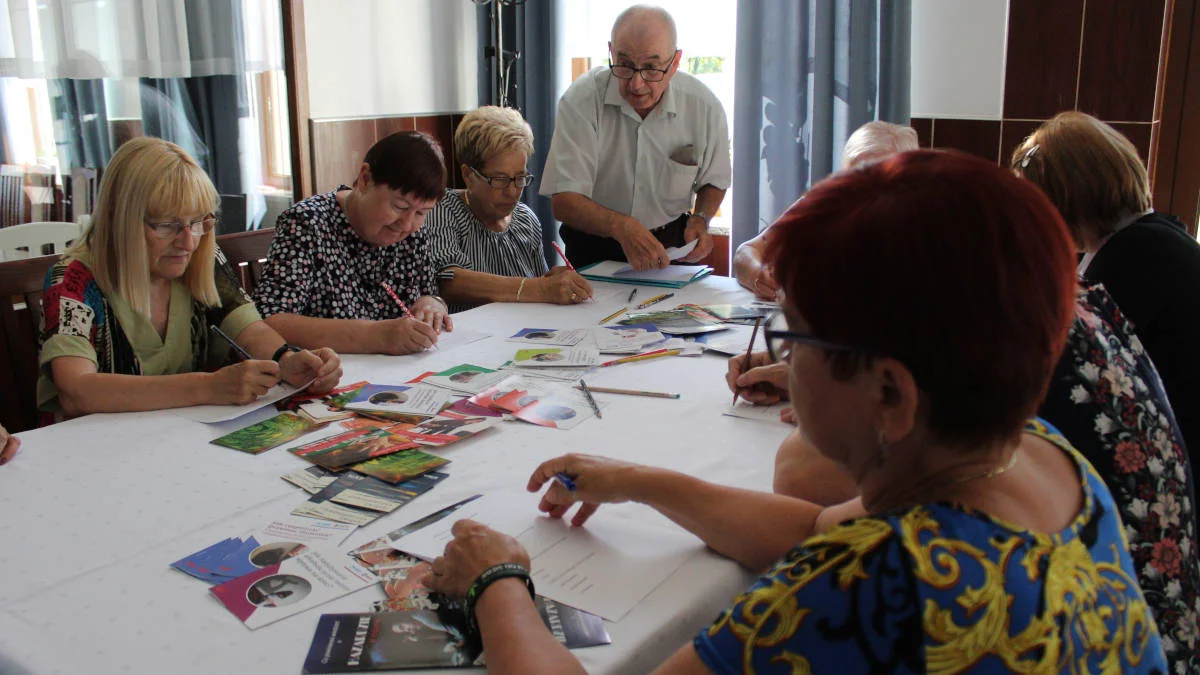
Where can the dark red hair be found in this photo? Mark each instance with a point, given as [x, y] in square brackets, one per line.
[955, 267]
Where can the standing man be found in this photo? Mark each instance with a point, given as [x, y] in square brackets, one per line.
[633, 144]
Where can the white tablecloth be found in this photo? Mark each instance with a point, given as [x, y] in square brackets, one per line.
[92, 511]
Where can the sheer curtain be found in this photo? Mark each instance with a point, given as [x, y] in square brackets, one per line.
[809, 72]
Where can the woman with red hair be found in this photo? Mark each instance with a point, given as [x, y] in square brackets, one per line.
[926, 302]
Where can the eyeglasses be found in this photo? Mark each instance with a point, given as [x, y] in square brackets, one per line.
[502, 182]
[169, 229]
[648, 74]
[779, 339]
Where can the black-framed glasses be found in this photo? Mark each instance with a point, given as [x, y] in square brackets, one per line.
[648, 74]
[169, 229]
[779, 340]
[502, 182]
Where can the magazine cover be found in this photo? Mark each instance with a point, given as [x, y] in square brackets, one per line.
[313, 577]
[267, 434]
[352, 447]
[400, 466]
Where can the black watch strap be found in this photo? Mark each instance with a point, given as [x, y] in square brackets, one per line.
[283, 350]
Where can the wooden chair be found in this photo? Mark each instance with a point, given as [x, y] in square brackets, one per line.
[21, 283]
[31, 240]
[247, 252]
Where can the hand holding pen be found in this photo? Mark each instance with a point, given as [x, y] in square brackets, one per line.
[582, 478]
[406, 337]
[242, 382]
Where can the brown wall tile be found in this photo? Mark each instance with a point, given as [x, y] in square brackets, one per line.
[1119, 64]
[924, 128]
[978, 137]
[338, 148]
[386, 126]
[1043, 57]
[1011, 134]
[441, 128]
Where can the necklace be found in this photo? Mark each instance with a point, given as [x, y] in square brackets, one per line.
[990, 473]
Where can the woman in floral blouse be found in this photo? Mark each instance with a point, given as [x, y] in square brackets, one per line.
[346, 266]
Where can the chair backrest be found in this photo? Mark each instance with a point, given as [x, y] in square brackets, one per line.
[21, 283]
[28, 240]
[247, 251]
[12, 195]
[85, 185]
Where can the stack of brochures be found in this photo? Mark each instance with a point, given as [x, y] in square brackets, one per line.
[671, 276]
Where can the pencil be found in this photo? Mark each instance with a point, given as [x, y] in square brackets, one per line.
[614, 315]
[403, 307]
[237, 349]
[563, 255]
[590, 399]
[746, 362]
[655, 299]
[642, 357]
[632, 392]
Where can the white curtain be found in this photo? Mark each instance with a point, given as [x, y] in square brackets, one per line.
[89, 39]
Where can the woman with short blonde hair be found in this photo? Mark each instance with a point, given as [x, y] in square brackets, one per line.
[487, 245]
[131, 309]
[1146, 260]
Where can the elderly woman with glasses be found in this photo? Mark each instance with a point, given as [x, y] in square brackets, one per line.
[985, 541]
[138, 307]
[487, 244]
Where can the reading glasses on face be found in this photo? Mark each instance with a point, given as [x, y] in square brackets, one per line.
[779, 339]
[502, 182]
[169, 229]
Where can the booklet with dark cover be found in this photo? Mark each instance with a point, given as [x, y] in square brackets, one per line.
[428, 638]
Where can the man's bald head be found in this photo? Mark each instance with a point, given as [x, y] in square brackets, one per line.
[644, 23]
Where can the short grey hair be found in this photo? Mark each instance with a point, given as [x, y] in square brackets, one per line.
[646, 11]
[877, 139]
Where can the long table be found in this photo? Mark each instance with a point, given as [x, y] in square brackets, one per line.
[93, 510]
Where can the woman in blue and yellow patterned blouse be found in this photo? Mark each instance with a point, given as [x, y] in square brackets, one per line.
[927, 299]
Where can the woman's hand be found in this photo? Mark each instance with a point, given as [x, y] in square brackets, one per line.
[561, 286]
[8, 446]
[430, 311]
[763, 384]
[764, 284]
[474, 549]
[243, 382]
[403, 336]
[598, 480]
[323, 367]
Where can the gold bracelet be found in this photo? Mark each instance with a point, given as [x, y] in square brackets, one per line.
[521, 288]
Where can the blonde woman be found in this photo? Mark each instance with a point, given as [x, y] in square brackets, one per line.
[128, 310]
[487, 245]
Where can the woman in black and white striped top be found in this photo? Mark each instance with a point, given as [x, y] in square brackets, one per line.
[486, 244]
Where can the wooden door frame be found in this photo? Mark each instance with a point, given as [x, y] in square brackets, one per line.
[295, 66]
[1176, 165]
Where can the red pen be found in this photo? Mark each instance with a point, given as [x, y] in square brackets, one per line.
[562, 255]
[403, 307]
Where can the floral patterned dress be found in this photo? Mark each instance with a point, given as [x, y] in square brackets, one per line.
[1106, 398]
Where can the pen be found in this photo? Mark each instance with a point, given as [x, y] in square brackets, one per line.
[237, 349]
[587, 393]
[746, 362]
[403, 307]
[632, 392]
[639, 357]
[655, 299]
[565, 480]
[631, 294]
[563, 255]
[614, 315]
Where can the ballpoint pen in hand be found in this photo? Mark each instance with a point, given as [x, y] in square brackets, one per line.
[403, 307]
[237, 349]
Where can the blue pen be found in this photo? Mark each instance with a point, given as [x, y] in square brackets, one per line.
[565, 480]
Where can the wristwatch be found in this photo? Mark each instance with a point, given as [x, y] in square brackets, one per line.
[283, 350]
[702, 215]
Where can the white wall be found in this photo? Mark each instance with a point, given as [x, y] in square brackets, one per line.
[371, 58]
[958, 52]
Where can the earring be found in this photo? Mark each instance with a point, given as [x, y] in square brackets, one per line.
[884, 447]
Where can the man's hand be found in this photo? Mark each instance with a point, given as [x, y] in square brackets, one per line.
[642, 250]
[697, 229]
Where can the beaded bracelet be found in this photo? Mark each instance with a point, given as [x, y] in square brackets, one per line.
[490, 576]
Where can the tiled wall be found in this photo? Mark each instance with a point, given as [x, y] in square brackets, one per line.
[338, 146]
[1098, 56]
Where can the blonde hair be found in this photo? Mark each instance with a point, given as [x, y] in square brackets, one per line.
[878, 139]
[147, 178]
[489, 131]
[1088, 170]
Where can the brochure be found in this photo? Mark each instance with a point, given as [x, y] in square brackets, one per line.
[352, 447]
[267, 434]
[406, 399]
[400, 466]
[450, 427]
[557, 357]
[235, 556]
[549, 336]
[465, 378]
[678, 321]
[626, 339]
[544, 403]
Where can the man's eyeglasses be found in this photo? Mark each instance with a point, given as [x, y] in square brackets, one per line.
[502, 182]
[169, 229]
[779, 339]
[648, 74]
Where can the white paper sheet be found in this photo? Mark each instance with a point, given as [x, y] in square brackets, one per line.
[677, 252]
[211, 414]
[759, 413]
[606, 567]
